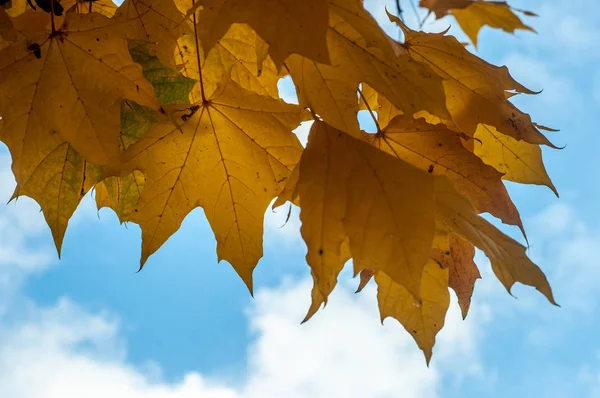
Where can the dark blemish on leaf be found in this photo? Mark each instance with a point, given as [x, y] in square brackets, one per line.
[430, 168]
[193, 110]
[35, 48]
[320, 252]
[414, 331]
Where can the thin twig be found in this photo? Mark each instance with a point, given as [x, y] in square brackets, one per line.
[400, 11]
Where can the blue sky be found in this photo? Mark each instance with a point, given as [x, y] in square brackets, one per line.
[90, 326]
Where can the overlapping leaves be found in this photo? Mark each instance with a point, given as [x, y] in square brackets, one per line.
[168, 105]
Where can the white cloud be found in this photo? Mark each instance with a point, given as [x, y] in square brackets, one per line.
[65, 351]
[558, 93]
[20, 222]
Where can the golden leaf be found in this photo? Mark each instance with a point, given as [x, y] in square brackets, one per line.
[234, 57]
[330, 90]
[365, 278]
[160, 22]
[121, 194]
[384, 207]
[475, 89]
[496, 14]
[508, 258]
[230, 155]
[284, 27]
[103, 7]
[519, 161]
[463, 271]
[46, 85]
[422, 319]
[439, 151]
[442, 7]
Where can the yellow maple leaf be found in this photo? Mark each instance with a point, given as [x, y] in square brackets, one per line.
[475, 89]
[439, 151]
[45, 80]
[462, 270]
[472, 15]
[288, 27]
[120, 194]
[104, 7]
[519, 161]
[7, 30]
[422, 319]
[496, 14]
[383, 206]
[508, 258]
[442, 7]
[230, 155]
[363, 56]
[159, 22]
[234, 57]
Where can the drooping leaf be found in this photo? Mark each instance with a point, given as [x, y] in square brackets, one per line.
[462, 270]
[103, 7]
[365, 277]
[349, 189]
[508, 258]
[229, 155]
[475, 89]
[496, 14]
[422, 319]
[159, 22]
[121, 194]
[441, 7]
[233, 57]
[46, 84]
[330, 90]
[171, 87]
[287, 26]
[519, 161]
[439, 151]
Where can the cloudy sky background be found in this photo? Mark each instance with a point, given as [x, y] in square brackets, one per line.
[89, 326]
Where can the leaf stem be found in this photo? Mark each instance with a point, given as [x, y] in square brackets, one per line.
[52, 17]
[198, 54]
[362, 96]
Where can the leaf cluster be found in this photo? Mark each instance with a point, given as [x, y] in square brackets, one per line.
[163, 106]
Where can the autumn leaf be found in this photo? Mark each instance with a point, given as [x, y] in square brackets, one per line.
[442, 7]
[496, 14]
[289, 26]
[472, 15]
[422, 319]
[519, 161]
[230, 156]
[330, 90]
[103, 7]
[462, 270]
[171, 86]
[384, 207]
[508, 258]
[233, 57]
[120, 194]
[159, 22]
[440, 151]
[365, 277]
[475, 89]
[45, 84]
